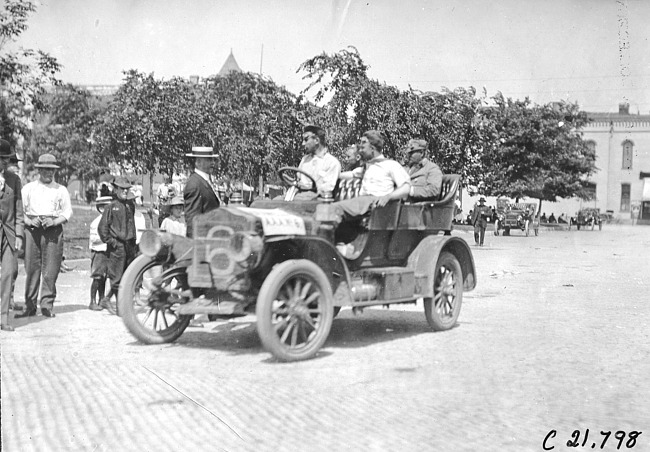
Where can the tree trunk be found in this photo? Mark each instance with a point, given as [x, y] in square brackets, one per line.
[539, 208]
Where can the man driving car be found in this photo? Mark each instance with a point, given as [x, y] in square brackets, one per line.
[322, 166]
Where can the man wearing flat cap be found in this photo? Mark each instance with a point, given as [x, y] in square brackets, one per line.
[200, 194]
[117, 230]
[47, 207]
[11, 231]
[322, 166]
[426, 176]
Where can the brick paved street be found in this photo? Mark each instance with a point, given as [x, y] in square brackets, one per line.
[555, 337]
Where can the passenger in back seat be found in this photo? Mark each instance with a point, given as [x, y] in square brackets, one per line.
[383, 179]
[426, 176]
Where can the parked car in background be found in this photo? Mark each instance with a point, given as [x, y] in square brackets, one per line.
[521, 215]
[589, 217]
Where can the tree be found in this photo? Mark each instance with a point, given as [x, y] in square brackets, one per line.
[24, 73]
[537, 151]
[446, 120]
[66, 131]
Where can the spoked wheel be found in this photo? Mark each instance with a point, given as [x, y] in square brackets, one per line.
[294, 310]
[443, 309]
[147, 299]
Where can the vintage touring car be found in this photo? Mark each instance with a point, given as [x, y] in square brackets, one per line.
[280, 261]
[521, 215]
[588, 217]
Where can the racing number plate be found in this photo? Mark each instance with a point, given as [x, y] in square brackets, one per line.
[279, 222]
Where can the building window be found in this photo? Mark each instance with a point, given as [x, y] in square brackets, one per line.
[625, 197]
[628, 150]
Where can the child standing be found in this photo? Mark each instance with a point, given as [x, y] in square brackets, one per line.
[117, 230]
[98, 257]
[175, 223]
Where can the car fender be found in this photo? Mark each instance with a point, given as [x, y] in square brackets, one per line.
[425, 256]
[317, 250]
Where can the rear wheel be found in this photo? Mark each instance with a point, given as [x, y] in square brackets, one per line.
[294, 310]
[148, 309]
[443, 309]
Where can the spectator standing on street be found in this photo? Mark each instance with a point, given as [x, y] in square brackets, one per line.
[175, 223]
[426, 176]
[98, 257]
[10, 228]
[47, 207]
[165, 192]
[200, 194]
[7, 253]
[479, 220]
[117, 230]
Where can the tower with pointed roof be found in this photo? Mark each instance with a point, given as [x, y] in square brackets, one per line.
[229, 66]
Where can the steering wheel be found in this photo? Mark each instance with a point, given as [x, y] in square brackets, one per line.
[289, 175]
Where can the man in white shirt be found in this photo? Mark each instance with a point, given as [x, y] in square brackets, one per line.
[382, 179]
[47, 207]
[322, 166]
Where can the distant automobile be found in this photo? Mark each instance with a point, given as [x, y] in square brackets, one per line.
[520, 216]
[589, 217]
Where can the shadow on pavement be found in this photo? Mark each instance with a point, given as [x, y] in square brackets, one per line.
[58, 310]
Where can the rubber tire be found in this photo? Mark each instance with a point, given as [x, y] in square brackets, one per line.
[272, 285]
[450, 262]
[131, 276]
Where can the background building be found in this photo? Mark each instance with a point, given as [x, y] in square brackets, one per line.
[622, 144]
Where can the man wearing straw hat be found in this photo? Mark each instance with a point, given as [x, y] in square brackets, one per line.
[11, 227]
[47, 207]
[200, 193]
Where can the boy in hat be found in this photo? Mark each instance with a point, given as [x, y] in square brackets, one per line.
[98, 257]
[47, 207]
[117, 230]
[175, 223]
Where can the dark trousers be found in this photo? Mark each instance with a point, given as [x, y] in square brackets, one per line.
[43, 255]
[9, 264]
[479, 232]
[119, 257]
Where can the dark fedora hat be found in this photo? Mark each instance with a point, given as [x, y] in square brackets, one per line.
[313, 128]
[122, 182]
[5, 149]
[482, 199]
[47, 161]
[202, 152]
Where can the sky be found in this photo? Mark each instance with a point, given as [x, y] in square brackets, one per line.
[593, 52]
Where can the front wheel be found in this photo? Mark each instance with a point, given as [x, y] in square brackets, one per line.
[443, 309]
[295, 308]
[148, 296]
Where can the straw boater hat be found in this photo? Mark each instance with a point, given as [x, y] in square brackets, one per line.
[47, 161]
[205, 152]
[482, 199]
[177, 201]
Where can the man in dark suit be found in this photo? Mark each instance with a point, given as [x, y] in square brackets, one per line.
[11, 231]
[479, 220]
[200, 193]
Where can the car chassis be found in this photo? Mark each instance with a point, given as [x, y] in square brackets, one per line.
[279, 261]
